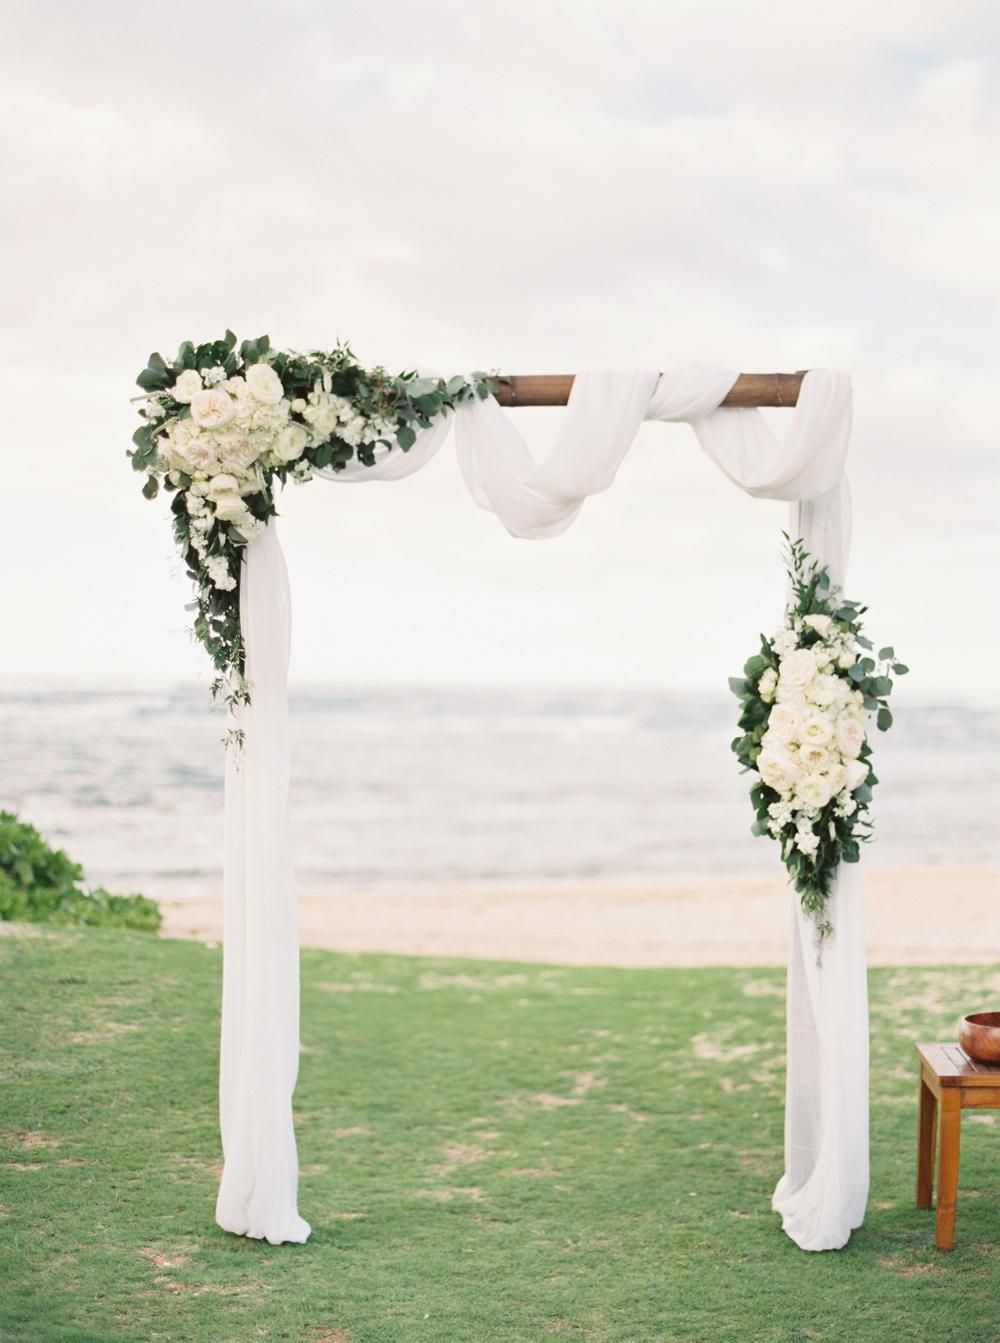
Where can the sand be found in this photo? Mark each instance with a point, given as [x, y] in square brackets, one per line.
[928, 917]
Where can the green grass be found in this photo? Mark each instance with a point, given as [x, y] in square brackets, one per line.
[490, 1153]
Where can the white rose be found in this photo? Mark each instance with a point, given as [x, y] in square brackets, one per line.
[212, 408]
[857, 772]
[850, 736]
[824, 690]
[816, 730]
[836, 776]
[815, 759]
[846, 659]
[197, 454]
[819, 623]
[223, 484]
[290, 443]
[783, 723]
[777, 770]
[230, 508]
[264, 384]
[187, 386]
[813, 790]
[798, 668]
[238, 451]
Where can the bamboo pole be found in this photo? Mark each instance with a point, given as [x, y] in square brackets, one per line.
[552, 389]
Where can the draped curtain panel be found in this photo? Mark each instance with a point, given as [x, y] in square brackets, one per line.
[823, 1191]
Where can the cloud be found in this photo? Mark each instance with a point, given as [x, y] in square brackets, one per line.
[551, 187]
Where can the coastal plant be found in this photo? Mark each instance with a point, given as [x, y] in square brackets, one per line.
[41, 884]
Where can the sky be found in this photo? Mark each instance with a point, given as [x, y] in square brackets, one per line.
[537, 187]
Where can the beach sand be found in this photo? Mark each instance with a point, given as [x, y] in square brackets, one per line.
[927, 917]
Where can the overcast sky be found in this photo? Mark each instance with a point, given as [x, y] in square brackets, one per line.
[535, 187]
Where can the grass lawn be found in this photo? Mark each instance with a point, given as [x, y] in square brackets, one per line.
[489, 1152]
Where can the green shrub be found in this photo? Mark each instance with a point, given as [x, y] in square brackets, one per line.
[39, 884]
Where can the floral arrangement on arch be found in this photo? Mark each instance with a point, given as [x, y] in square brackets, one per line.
[806, 699]
[224, 424]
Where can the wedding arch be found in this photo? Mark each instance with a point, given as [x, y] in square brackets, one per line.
[245, 621]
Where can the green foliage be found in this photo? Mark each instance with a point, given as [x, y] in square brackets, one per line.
[39, 884]
[491, 1153]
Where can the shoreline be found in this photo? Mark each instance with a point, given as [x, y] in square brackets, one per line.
[928, 916]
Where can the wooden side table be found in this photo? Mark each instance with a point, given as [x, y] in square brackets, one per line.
[950, 1082]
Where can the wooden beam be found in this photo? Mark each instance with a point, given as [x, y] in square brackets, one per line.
[552, 389]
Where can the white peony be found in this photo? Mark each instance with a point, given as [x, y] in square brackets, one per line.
[264, 384]
[813, 790]
[187, 386]
[798, 668]
[816, 730]
[778, 770]
[857, 772]
[212, 408]
[850, 736]
[818, 622]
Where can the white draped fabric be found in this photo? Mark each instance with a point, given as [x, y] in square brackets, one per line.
[823, 1192]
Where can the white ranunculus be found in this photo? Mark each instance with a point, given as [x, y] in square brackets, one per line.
[264, 384]
[290, 443]
[857, 772]
[230, 507]
[212, 408]
[818, 622]
[850, 736]
[798, 668]
[813, 790]
[187, 386]
[784, 723]
[778, 770]
[816, 730]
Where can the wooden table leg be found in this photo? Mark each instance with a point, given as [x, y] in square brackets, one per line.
[926, 1133]
[949, 1125]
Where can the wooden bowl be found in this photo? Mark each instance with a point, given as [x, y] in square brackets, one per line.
[979, 1036]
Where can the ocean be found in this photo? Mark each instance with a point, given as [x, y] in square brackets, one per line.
[423, 786]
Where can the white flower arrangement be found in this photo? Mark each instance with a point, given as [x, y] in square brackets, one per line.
[805, 700]
[222, 426]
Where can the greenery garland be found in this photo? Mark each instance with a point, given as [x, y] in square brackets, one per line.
[224, 423]
[805, 701]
